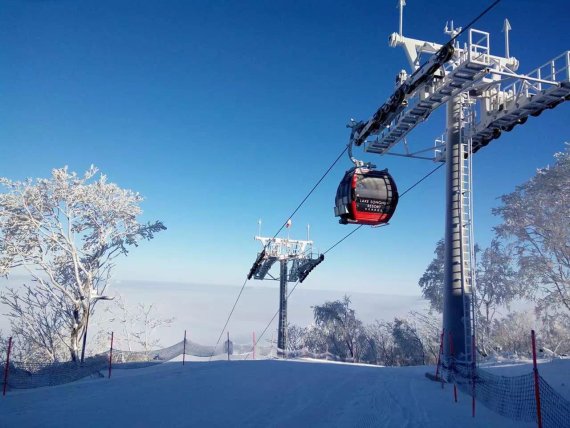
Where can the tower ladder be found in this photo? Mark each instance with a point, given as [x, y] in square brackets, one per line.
[467, 228]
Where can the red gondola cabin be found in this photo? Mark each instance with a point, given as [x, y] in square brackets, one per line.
[366, 196]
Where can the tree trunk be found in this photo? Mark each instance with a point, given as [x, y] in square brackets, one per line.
[74, 345]
[77, 331]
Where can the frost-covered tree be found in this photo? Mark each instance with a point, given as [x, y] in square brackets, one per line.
[120, 313]
[428, 328]
[536, 218]
[555, 332]
[511, 334]
[315, 340]
[37, 324]
[295, 337]
[431, 281]
[339, 324]
[496, 283]
[66, 231]
[382, 350]
[496, 286]
[3, 345]
[149, 321]
[138, 326]
[409, 348]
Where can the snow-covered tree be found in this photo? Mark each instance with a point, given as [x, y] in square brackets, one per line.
[553, 329]
[495, 277]
[3, 345]
[536, 218]
[409, 348]
[431, 281]
[511, 334]
[138, 326]
[315, 340]
[149, 321]
[496, 286]
[295, 337]
[37, 324]
[381, 343]
[339, 324]
[120, 313]
[428, 328]
[66, 231]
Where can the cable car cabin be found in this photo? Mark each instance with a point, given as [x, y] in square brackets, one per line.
[366, 196]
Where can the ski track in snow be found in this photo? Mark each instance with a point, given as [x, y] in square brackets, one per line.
[249, 394]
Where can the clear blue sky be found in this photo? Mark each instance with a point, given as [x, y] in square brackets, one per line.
[221, 113]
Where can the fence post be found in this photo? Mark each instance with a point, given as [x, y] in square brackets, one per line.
[452, 366]
[111, 355]
[7, 365]
[184, 351]
[473, 370]
[254, 345]
[228, 345]
[536, 385]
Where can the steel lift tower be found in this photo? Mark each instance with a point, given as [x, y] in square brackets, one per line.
[484, 96]
[296, 260]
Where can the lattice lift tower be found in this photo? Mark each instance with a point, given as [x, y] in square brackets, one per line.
[296, 260]
[484, 96]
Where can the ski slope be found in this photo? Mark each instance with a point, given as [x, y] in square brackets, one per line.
[269, 393]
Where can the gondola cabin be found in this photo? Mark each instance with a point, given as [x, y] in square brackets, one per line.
[366, 196]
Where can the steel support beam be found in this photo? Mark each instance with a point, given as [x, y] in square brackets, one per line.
[454, 289]
[282, 329]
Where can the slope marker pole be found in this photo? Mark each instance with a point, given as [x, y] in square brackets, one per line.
[473, 375]
[439, 355]
[452, 367]
[6, 370]
[184, 349]
[111, 355]
[536, 384]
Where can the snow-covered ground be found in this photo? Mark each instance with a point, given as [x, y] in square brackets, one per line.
[268, 393]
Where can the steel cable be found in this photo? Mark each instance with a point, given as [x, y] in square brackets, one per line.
[338, 242]
[274, 236]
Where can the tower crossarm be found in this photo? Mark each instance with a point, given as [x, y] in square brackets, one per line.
[297, 252]
[407, 87]
[422, 105]
[265, 267]
[466, 67]
[284, 248]
[501, 107]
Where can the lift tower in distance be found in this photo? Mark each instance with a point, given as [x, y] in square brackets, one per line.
[484, 96]
[296, 260]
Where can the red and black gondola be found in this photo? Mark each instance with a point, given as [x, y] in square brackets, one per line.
[366, 196]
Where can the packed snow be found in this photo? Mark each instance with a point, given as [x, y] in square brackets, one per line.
[268, 393]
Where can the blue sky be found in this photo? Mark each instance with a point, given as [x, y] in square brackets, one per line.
[221, 113]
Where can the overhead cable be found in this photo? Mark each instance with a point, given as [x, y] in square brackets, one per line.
[338, 242]
[258, 260]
